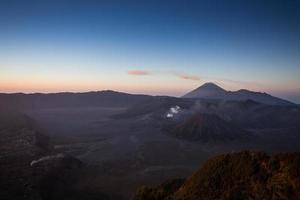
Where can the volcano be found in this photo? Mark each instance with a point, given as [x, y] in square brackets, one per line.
[206, 128]
[213, 91]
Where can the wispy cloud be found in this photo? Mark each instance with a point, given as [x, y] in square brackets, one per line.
[187, 76]
[138, 72]
[181, 75]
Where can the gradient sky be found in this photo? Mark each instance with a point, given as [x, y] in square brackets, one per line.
[152, 47]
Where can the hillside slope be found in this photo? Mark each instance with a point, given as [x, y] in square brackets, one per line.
[206, 128]
[244, 175]
[30, 169]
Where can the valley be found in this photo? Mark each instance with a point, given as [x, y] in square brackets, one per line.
[126, 144]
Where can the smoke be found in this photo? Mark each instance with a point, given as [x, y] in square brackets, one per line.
[45, 158]
[173, 111]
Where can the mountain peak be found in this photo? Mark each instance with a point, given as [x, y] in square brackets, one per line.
[206, 90]
[210, 86]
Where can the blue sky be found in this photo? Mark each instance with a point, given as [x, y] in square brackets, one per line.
[153, 47]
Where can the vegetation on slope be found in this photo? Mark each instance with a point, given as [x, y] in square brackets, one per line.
[244, 175]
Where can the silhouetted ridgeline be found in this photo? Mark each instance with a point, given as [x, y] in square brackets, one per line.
[244, 175]
[67, 99]
[113, 98]
[213, 91]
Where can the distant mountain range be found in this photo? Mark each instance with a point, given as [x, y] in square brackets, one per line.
[19, 101]
[213, 91]
[210, 91]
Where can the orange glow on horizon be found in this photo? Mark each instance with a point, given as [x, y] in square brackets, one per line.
[47, 87]
[168, 87]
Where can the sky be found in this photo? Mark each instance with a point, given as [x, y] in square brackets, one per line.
[151, 47]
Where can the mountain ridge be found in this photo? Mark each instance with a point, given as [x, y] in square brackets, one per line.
[213, 91]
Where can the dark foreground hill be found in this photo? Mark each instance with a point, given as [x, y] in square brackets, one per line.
[30, 169]
[244, 175]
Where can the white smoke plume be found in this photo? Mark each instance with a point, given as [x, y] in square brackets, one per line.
[173, 111]
[45, 158]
